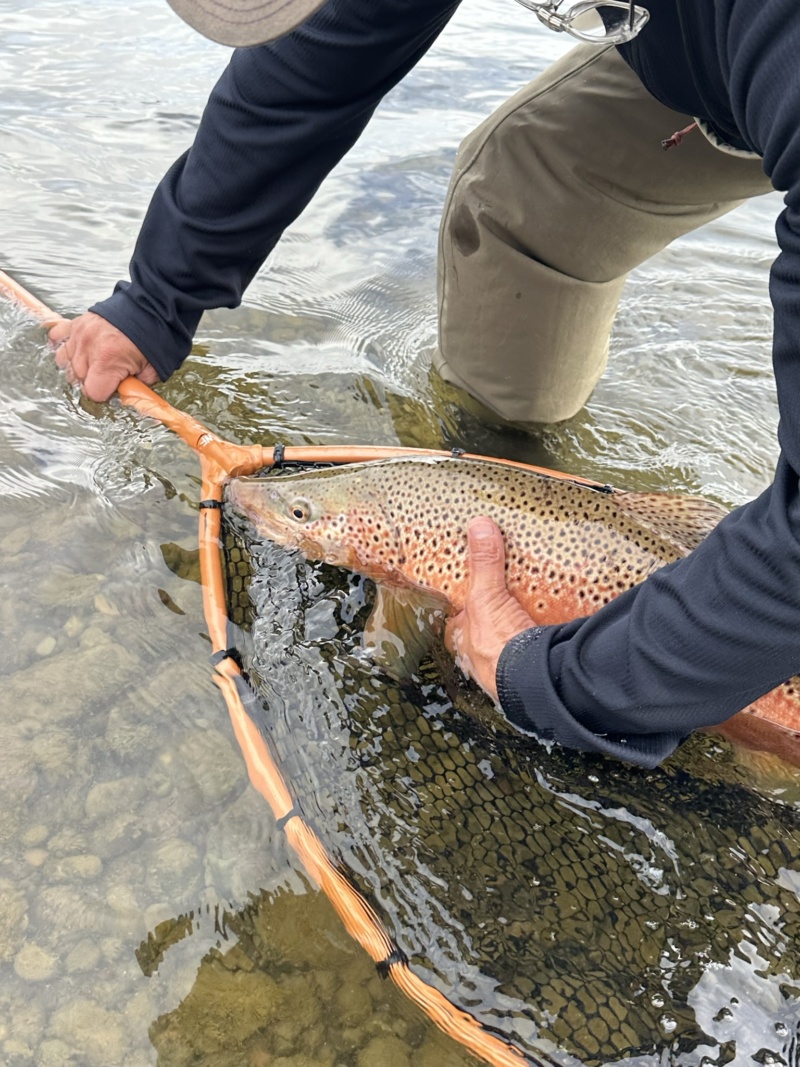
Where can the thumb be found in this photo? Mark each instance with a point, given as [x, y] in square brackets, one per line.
[487, 557]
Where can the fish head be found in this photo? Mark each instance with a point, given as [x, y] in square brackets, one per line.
[328, 515]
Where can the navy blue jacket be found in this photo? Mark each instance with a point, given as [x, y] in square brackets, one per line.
[705, 636]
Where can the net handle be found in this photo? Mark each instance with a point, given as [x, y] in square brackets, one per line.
[228, 460]
[235, 460]
[20, 295]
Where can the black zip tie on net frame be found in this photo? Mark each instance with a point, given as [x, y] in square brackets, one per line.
[226, 653]
[395, 956]
[279, 462]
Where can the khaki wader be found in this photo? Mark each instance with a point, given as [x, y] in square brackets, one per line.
[553, 200]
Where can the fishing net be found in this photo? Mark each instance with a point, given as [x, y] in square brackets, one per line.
[565, 900]
[540, 905]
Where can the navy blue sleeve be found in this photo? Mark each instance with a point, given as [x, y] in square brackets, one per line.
[704, 637]
[280, 118]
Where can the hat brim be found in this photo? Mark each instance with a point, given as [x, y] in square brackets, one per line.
[242, 23]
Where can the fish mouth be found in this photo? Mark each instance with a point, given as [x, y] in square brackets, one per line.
[257, 502]
[241, 495]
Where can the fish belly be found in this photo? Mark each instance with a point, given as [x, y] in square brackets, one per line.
[771, 723]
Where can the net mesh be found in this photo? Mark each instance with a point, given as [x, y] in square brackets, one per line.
[557, 896]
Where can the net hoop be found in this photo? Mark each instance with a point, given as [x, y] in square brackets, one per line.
[221, 460]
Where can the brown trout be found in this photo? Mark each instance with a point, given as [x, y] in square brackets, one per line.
[570, 548]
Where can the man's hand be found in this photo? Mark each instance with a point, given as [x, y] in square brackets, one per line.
[491, 615]
[98, 356]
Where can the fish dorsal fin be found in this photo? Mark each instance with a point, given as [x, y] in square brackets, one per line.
[401, 628]
[683, 521]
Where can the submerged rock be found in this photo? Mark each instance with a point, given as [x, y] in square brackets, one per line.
[34, 963]
[100, 1035]
[223, 1009]
[387, 1051]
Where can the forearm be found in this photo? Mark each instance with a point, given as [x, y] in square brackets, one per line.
[695, 643]
[702, 638]
[279, 120]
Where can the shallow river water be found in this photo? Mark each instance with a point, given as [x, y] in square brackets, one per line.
[150, 912]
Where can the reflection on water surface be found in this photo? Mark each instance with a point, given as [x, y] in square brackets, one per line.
[149, 912]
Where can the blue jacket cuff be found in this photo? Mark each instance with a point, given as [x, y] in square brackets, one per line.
[529, 698]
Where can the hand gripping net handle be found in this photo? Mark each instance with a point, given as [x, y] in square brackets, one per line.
[219, 461]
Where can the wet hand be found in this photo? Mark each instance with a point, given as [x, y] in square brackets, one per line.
[98, 356]
[491, 615]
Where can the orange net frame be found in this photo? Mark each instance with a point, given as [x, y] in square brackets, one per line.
[219, 461]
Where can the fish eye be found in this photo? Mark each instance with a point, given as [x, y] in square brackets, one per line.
[300, 510]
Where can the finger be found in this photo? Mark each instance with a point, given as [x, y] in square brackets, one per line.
[79, 359]
[487, 558]
[60, 331]
[456, 645]
[149, 375]
[101, 384]
[452, 632]
[62, 353]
